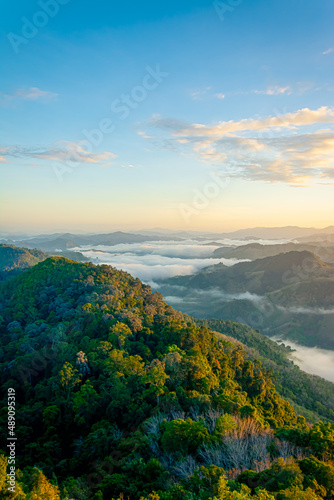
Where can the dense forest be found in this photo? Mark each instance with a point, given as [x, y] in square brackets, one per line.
[120, 396]
[310, 395]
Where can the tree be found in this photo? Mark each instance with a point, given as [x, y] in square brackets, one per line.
[296, 493]
[85, 402]
[156, 377]
[42, 489]
[210, 479]
[184, 436]
[122, 332]
[82, 363]
[69, 378]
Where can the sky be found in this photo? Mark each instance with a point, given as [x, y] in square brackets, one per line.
[184, 115]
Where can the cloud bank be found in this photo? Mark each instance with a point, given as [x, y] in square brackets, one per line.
[313, 360]
[149, 267]
[156, 260]
[257, 149]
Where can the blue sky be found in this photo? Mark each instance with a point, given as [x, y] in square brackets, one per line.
[191, 115]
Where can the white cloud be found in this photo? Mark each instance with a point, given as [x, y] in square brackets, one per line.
[220, 96]
[276, 90]
[318, 311]
[289, 120]
[255, 148]
[196, 295]
[60, 151]
[197, 95]
[142, 134]
[156, 260]
[328, 51]
[151, 267]
[30, 94]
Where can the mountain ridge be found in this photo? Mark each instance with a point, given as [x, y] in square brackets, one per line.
[291, 293]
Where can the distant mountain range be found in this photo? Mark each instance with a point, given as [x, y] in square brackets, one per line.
[287, 232]
[254, 251]
[274, 233]
[65, 241]
[290, 294]
[68, 240]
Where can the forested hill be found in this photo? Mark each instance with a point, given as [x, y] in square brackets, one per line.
[119, 395]
[14, 259]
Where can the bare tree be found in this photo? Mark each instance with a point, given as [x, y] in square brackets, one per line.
[185, 468]
[210, 419]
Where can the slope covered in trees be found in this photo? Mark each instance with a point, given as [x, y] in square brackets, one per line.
[119, 394]
[14, 259]
[313, 396]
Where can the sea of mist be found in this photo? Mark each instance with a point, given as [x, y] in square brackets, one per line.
[157, 260]
[312, 359]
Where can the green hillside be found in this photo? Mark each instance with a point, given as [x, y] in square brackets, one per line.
[290, 294]
[118, 395]
[312, 395]
[260, 276]
[13, 260]
[12, 257]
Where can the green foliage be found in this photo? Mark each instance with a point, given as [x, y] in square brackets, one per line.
[119, 394]
[3, 472]
[184, 436]
[298, 494]
[14, 260]
[224, 425]
[311, 395]
[318, 476]
[322, 440]
[208, 481]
